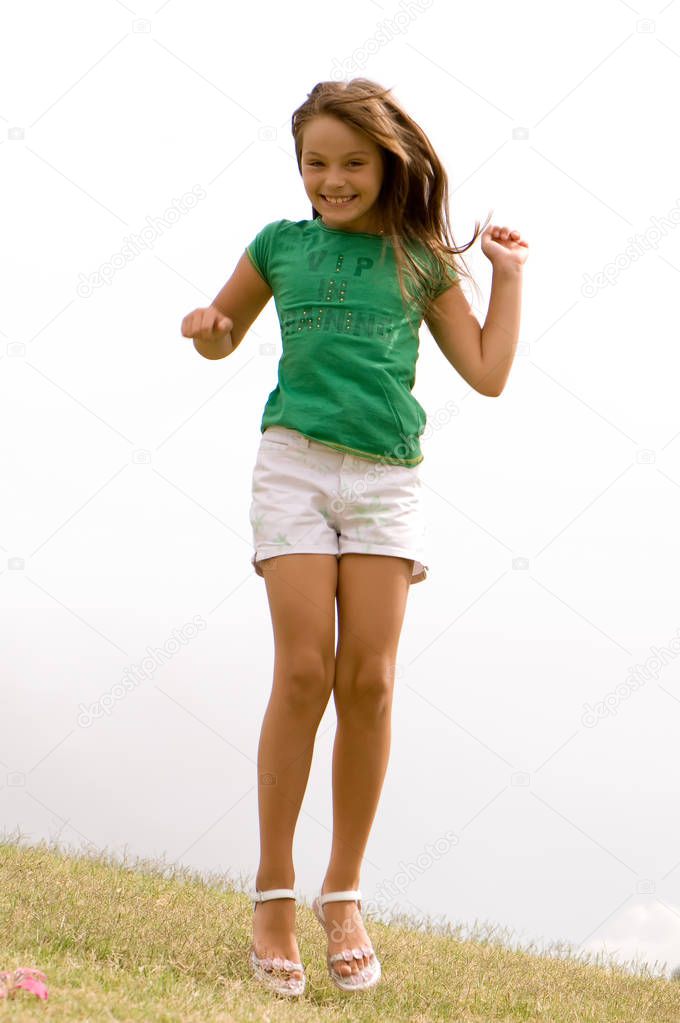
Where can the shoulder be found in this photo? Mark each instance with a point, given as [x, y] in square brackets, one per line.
[284, 229]
[439, 268]
[287, 225]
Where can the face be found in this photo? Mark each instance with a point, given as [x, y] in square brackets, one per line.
[339, 160]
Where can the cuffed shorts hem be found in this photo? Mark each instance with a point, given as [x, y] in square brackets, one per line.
[419, 573]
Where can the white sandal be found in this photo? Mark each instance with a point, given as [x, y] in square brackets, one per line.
[366, 977]
[264, 968]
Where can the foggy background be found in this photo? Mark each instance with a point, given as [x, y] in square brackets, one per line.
[533, 780]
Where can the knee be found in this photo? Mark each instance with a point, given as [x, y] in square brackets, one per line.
[365, 688]
[305, 680]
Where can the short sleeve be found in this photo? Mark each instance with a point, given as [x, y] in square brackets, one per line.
[261, 248]
[443, 280]
[437, 279]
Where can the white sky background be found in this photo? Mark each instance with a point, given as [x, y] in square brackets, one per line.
[552, 511]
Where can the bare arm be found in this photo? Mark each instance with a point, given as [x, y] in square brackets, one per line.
[500, 332]
[482, 355]
[219, 329]
[243, 298]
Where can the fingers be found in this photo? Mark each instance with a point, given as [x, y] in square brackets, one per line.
[206, 325]
[215, 323]
[503, 233]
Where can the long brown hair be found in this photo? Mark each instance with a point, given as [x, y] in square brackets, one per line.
[413, 200]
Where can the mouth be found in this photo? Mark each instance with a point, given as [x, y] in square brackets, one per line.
[341, 200]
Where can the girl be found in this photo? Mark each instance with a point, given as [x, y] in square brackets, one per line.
[335, 507]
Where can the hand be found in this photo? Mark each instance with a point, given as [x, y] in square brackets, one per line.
[207, 325]
[505, 248]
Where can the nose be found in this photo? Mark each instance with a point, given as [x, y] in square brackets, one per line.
[333, 182]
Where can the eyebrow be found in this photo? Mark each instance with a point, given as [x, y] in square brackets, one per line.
[313, 152]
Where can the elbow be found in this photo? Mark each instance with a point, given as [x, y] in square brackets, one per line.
[492, 390]
[486, 384]
[489, 392]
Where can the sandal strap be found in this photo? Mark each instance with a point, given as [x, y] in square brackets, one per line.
[272, 893]
[351, 953]
[277, 963]
[340, 897]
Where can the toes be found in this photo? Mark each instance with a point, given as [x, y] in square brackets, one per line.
[344, 968]
[275, 965]
[286, 974]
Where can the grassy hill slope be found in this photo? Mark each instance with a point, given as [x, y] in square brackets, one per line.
[147, 943]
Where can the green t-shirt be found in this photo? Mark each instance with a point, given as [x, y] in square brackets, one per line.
[347, 368]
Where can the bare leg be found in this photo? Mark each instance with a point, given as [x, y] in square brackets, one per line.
[283, 762]
[284, 759]
[372, 596]
[301, 593]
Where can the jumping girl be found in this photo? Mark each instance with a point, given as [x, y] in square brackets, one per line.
[336, 490]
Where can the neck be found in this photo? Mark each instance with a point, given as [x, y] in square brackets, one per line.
[378, 230]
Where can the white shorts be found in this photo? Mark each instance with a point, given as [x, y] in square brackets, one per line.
[308, 498]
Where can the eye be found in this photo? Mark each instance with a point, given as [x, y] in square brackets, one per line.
[313, 163]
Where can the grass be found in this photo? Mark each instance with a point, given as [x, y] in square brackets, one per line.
[150, 943]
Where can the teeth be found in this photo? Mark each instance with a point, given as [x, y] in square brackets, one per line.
[340, 201]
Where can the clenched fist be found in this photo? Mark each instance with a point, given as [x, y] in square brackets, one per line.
[210, 330]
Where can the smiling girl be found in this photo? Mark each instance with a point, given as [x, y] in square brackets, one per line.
[336, 490]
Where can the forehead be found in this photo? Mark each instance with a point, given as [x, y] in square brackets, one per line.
[329, 136]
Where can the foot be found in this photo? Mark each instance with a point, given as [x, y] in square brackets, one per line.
[345, 929]
[274, 934]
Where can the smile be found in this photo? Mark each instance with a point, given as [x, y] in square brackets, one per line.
[339, 201]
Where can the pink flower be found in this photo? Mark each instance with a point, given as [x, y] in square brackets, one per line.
[25, 977]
